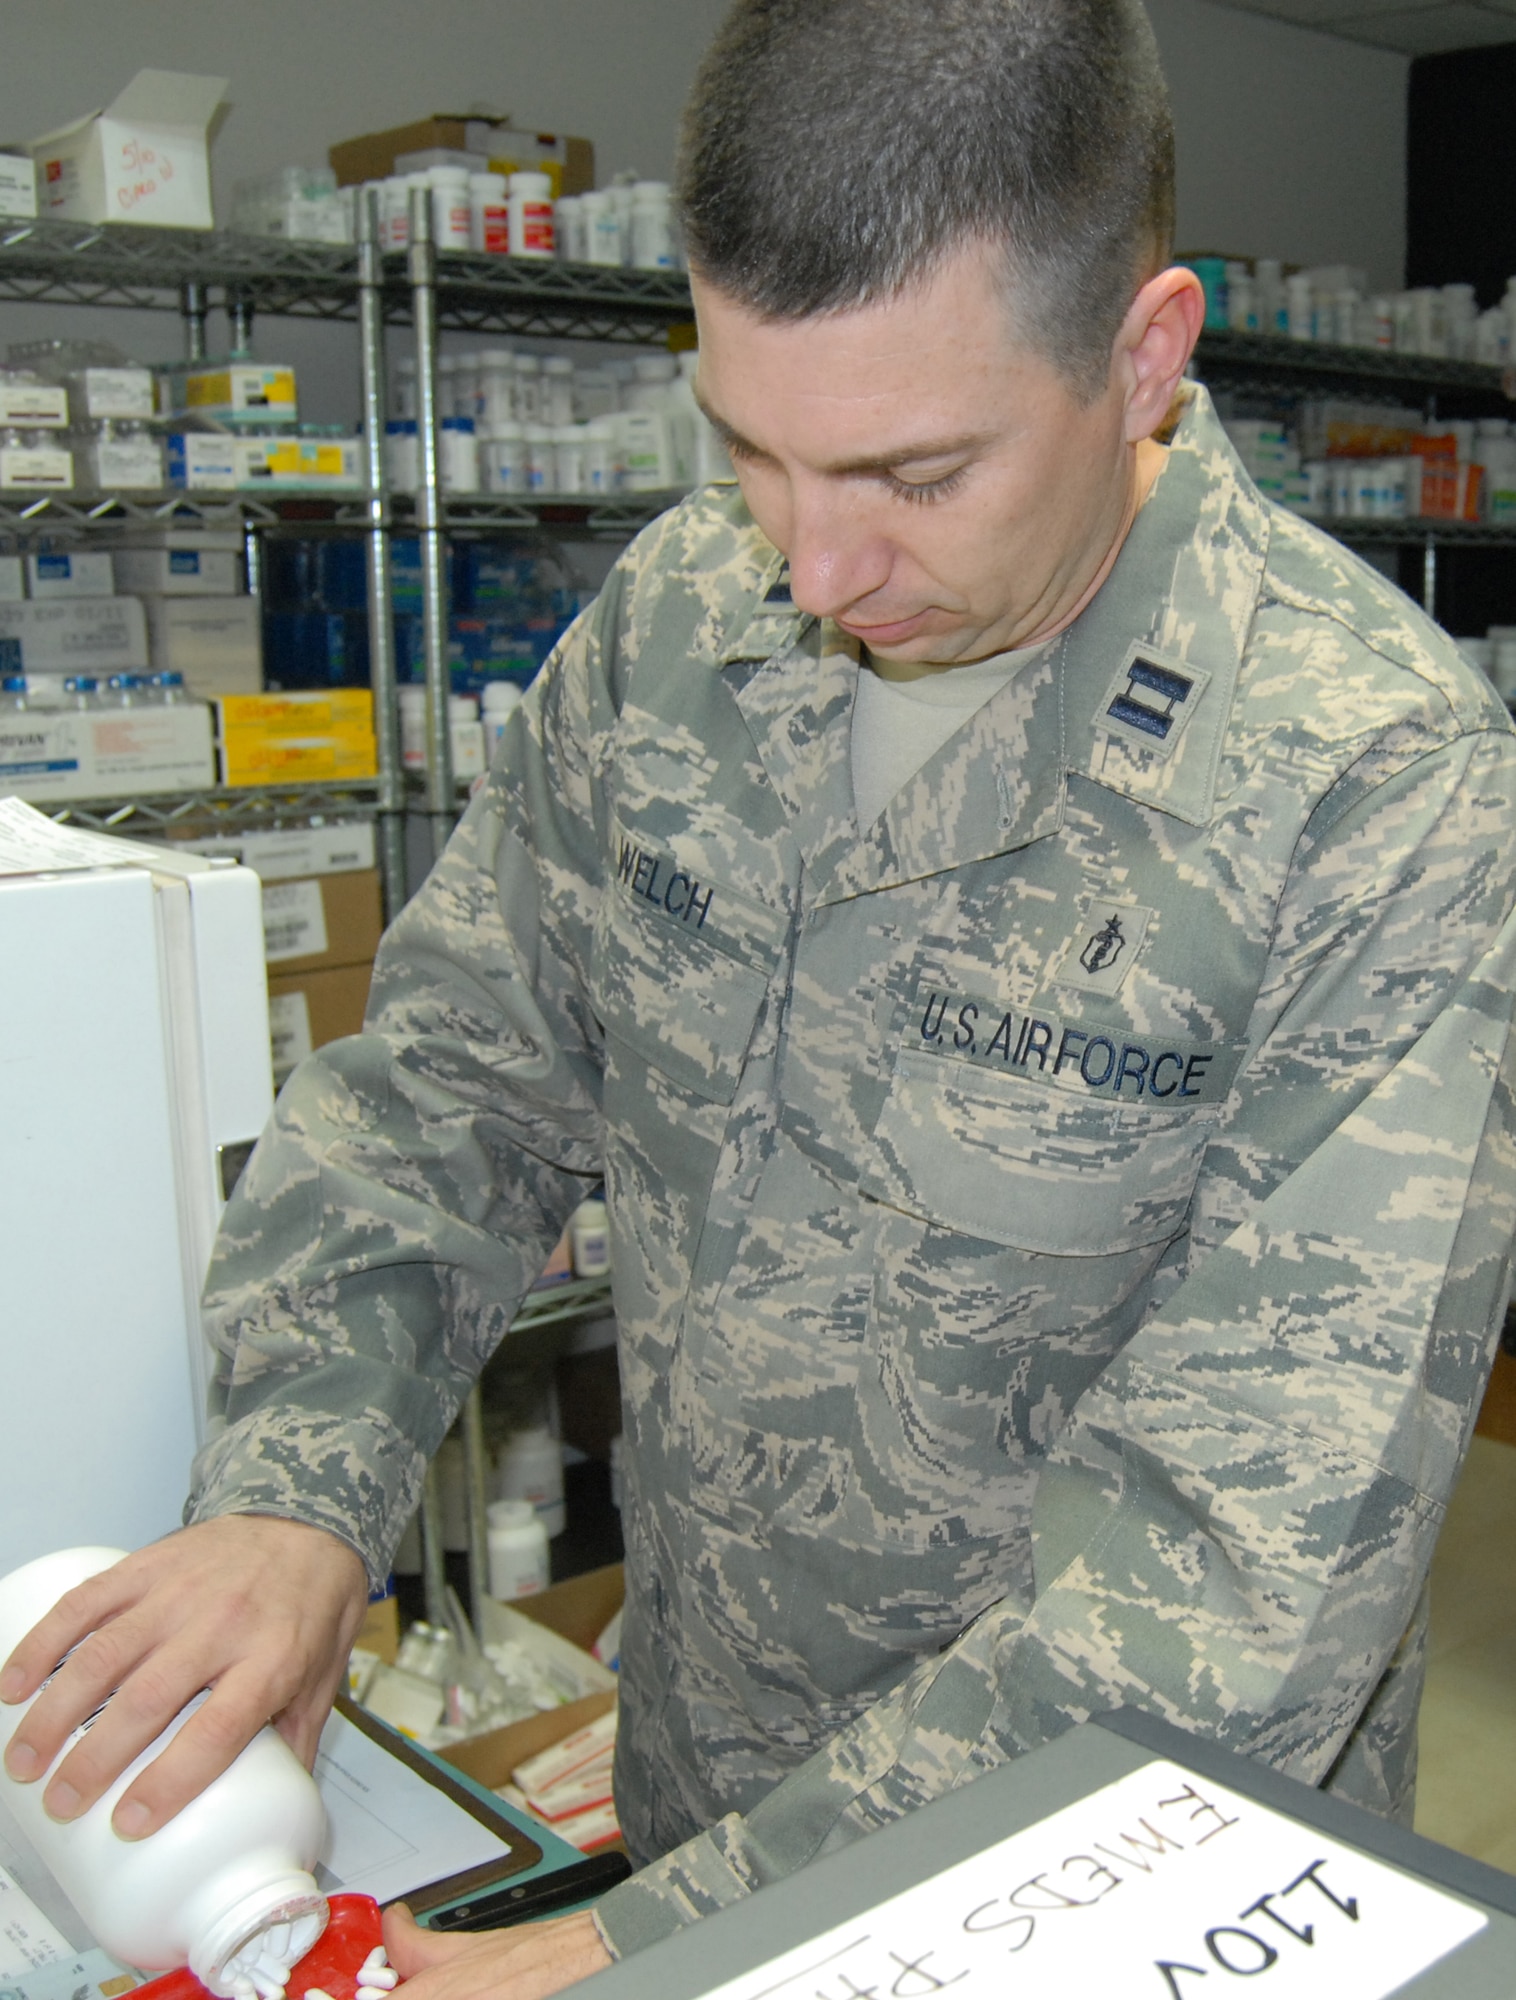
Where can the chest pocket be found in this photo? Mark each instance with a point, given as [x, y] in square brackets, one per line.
[1020, 1163]
[680, 967]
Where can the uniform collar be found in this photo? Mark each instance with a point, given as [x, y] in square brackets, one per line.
[1176, 608]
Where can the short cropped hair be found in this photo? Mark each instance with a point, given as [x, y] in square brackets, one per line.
[835, 151]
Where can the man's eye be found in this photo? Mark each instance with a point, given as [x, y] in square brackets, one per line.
[924, 493]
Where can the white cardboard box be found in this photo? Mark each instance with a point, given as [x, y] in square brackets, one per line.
[33, 405]
[287, 853]
[144, 159]
[82, 635]
[215, 642]
[186, 565]
[45, 467]
[18, 185]
[202, 461]
[71, 573]
[12, 580]
[72, 754]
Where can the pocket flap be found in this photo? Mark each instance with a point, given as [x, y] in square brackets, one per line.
[1035, 1168]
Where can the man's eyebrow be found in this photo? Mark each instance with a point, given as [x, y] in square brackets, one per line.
[917, 451]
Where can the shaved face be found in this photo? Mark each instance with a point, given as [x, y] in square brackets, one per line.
[938, 488]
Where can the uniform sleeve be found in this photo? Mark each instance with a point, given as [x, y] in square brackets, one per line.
[1235, 1527]
[415, 1177]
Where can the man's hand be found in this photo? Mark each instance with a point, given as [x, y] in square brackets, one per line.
[523, 1964]
[260, 1611]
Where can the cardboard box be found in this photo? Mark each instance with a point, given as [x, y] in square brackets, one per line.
[570, 162]
[182, 562]
[289, 852]
[321, 711]
[312, 464]
[145, 159]
[218, 462]
[201, 461]
[85, 635]
[73, 754]
[326, 735]
[127, 391]
[318, 760]
[116, 464]
[215, 642]
[36, 467]
[233, 390]
[71, 573]
[12, 580]
[578, 1611]
[33, 405]
[18, 185]
[322, 920]
[306, 1010]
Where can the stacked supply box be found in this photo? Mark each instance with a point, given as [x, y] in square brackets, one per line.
[58, 753]
[322, 919]
[200, 624]
[304, 738]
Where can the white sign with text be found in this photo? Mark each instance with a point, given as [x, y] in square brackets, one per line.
[1161, 1884]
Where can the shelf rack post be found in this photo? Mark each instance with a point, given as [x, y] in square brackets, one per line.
[1429, 576]
[476, 1505]
[239, 313]
[193, 307]
[433, 1562]
[422, 257]
[381, 626]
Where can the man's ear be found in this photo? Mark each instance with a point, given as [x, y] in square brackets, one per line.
[1154, 345]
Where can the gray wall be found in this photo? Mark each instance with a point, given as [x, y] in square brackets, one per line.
[1290, 143]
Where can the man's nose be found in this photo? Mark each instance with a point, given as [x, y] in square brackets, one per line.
[836, 559]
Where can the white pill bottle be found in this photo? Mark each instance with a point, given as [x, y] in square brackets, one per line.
[226, 1886]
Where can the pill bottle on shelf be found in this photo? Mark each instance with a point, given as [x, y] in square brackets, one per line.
[530, 1468]
[490, 224]
[452, 207]
[226, 1886]
[530, 203]
[518, 1550]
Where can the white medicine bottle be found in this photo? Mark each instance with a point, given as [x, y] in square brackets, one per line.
[226, 1885]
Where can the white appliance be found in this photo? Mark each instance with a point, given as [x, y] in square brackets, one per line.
[134, 1076]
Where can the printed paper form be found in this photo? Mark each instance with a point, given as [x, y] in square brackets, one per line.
[390, 1831]
[27, 1939]
[31, 843]
[1161, 1886]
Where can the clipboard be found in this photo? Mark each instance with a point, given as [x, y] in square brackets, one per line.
[405, 1826]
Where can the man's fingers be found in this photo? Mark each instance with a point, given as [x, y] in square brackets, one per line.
[76, 1614]
[257, 1610]
[220, 1728]
[92, 1674]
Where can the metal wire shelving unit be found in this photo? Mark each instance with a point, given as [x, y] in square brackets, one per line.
[193, 272]
[1286, 371]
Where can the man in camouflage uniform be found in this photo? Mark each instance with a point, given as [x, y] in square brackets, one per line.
[1059, 1227]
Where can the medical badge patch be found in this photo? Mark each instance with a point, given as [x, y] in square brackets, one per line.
[1104, 947]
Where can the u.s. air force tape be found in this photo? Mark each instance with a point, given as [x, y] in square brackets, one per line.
[1087, 1057]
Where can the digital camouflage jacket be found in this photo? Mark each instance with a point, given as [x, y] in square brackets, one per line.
[1059, 1230]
